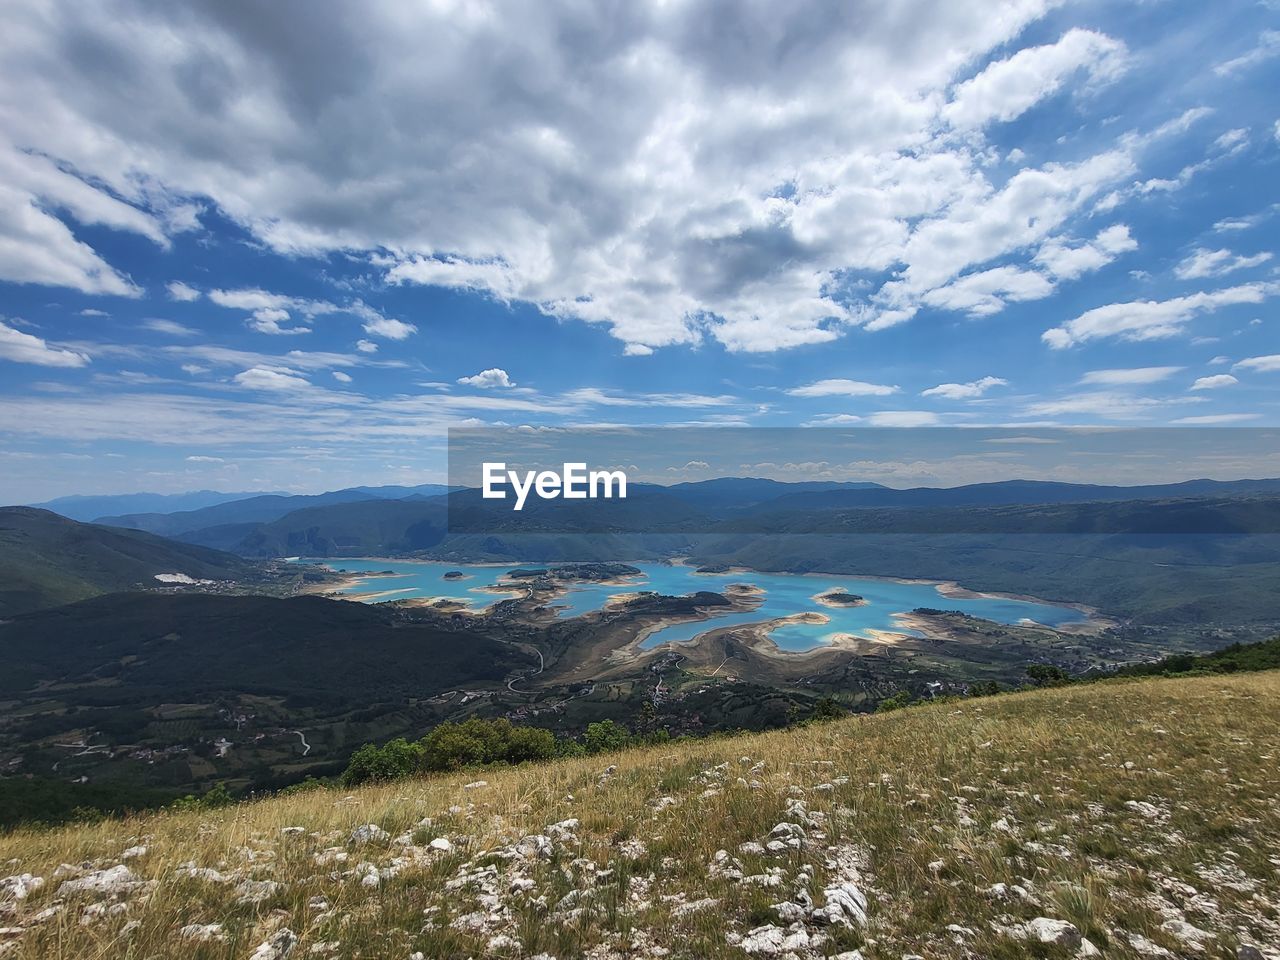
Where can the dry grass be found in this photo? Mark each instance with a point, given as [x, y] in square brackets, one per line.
[1119, 807]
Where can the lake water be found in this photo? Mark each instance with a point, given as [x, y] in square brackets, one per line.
[784, 594]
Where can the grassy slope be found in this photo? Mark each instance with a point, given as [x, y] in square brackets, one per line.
[941, 803]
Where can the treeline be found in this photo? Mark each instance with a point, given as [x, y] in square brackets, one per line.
[478, 742]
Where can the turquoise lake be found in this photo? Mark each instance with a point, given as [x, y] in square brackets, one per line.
[784, 595]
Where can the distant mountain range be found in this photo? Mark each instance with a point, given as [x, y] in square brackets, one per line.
[91, 508]
[399, 520]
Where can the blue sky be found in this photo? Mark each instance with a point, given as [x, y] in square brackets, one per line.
[243, 249]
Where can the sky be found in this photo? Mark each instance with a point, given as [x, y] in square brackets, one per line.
[287, 246]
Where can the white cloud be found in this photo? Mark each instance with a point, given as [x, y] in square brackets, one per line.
[1211, 419]
[389, 328]
[183, 293]
[903, 418]
[1202, 263]
[1007, 88]
[487, 379]
[1129, 377]
[1150, 319]
[269, 378]
[1268, 46]
[1215, 382]
[964, 391]
[652, 181]
[984, 293]
[203, 459]
[25, 348]
[1067, 261]
[170, 327]
[834, 420]
[341, 377]
[366, 346]
[1104, 404]
[842, 388]
[1268, 364]
[1233, 140]
[268, 319]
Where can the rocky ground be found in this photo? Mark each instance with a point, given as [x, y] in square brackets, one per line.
[1118, 820]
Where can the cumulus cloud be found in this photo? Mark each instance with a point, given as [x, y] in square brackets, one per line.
[268, 319]
[1201, 263]
[1151, 319]
[1007, 88]
[183, 293]
[23, 347]
[964, 391]
[1129, 377]
[389, 328]
[649, 178]
[842, 388]
[487, 379]
[341, 377]
[1214, 382]
[366, 346]
[1067, 260]
[984, 293]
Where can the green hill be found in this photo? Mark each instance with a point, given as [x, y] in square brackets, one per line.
[1135, 815]
[47, 560]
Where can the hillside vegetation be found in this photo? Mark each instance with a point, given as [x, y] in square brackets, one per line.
[1135, 818]
[47, 560]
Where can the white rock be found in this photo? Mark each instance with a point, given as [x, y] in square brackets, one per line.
[115, 881]
[255, 891]
[20, 886]
[1048, 930]
[202, 932]
[475, 784]
[369, 833]
[536, 846]
[845, 905]
[277, 947]
[134, 852]
[564, 830]
[292, 831]
[766, 940]
[440, 845]
[1192, 936]
[1146, 948]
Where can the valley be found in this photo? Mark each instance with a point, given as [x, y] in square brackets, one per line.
[178, 667]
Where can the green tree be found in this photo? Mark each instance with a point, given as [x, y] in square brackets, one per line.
[899, 700]
[374, 764]
[1045, 675]
[605, 735]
